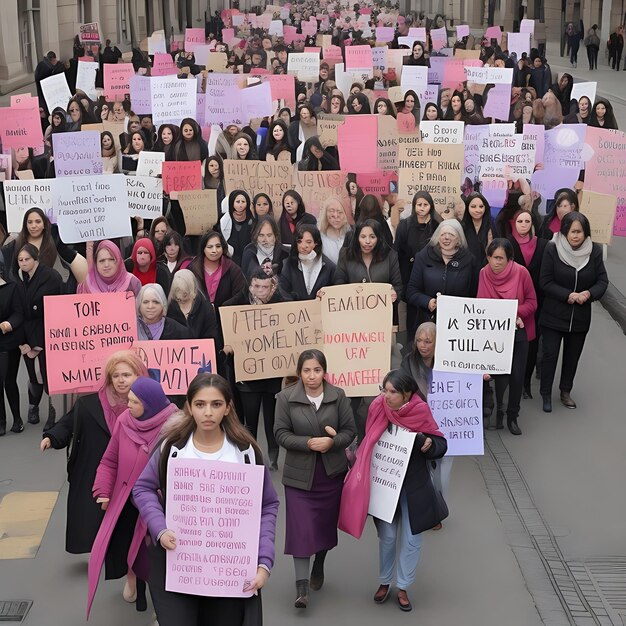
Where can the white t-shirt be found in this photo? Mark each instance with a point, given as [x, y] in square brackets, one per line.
[316, 401]
[227, 453]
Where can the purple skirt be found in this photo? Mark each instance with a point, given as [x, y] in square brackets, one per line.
[311, 517]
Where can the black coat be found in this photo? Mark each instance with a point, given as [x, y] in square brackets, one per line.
[292, 280]
[558, 280]
[86, 429]
[231, 282]
[174, 330]
[431, 276]
[201, 322]
[534, 267]
[411, 237]
[44, 282]
[250, 261]
[286, 236]
[12, 311]
[163, 276]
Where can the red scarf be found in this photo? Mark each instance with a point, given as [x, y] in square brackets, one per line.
[527, 245]
[148, 277]
[505, 285]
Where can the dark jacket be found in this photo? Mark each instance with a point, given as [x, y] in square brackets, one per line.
[534, 267]
[250, 261]
[163, 276]
[201, 322]
[296, 421]
[385, 271]
[558, 280]
[12, 311]
[411, 237]
[174, 330]
[231, 283]
[431, 276]
[85, 428]
[292, 280]
[286, 236]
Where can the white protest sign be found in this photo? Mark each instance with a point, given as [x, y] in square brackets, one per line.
[150, 163]
[223, 101]
[141, 94]
[86, 78]
[442, 131]
[584, 89]
[276, 28]
[156, 43]
[56, 91]
[145, 196]
[92, 207]
[485, 75]
[456, 402]
[427, 93]
[305, 65]
[77, 154]
[511, 157]
[173, 100]
[390, 460]
[22, 195]
[527, 26]
[518, 43]
[475, 334]
[413, 77]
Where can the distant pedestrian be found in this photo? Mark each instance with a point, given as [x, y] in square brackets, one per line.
[592, 43]
[616, 47]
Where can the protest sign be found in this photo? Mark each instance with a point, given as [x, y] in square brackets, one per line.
[267, 339]
[485, 75]
[20, 128]
[494, 32]
[22, 195]
[117, 79]
[387, 144]
[193, 37]
[358, 358]
[584, 89]
[317, 186]
[600, 210]
[511, 157]
[214, 509]
[528, 26]
[141, 94]
[276, 28]
[89, 208]
[439, 38]
[305, 65]
[390, 461]
[56, 92]
[145, 196]
[89, 33]
[199, 210]
[150, 163]
[418, 32]
[498, 102]
[217, 62]
[156, 43]
[86, 78]
[173, 99]
[475, 334]
[495, 189]
[81, 331]
[442, 132]
[327, 128]
[384, 34]
[359, 57]
[518, 43]
[413, 77]
[181, 175]
[357, 141]
[283, 87]
[426, 94]
[24, 101]
[223, 102]
[462, 30]
[174, 363]
[260, 177]
[256, 101]
[459, 53]
[163, 65]
[454, 72]
[456, 402]
[77, 154]
[535, 133]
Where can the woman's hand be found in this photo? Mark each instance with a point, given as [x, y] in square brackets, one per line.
[320, 444]
[432, 304]
[427, 445]
[168, 540]
[519, 322]
[228, 350]
[583, 296]
[320, 294]
[103, 502]
[259, 581]
[394, 295]
[45, 444]
[5, 327]
[573, 297]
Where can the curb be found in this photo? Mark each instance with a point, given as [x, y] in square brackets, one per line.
[614, 302]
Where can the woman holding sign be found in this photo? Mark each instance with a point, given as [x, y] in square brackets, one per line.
[419, 506]
[314, 424]
[209, 430]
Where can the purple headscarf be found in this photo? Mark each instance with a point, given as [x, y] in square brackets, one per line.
[151, 394]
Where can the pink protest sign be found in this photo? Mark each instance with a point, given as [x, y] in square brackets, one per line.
[439, 37]
[454, 70]
[357, 141]
[359, 57]
[81, 331]
[20, 128]
[498, 103]
[283, 87]
[214, 509]
[117, 79]
[384, 33]
[494, 32]
[289, 33]
[175, 362]
[332, 54]
[181, 176]
[228, 35]
[419, 33]
[163, 65]
[605, 172]
[462, 30]
[193, 37]
[310, 27]
[24, 101]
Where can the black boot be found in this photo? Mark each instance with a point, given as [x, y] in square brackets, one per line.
[52, 416]
[547, 404]
[33, 414]
[141, 604]
[317, 573]
[514, 429]
[302, 594]
[3, 427]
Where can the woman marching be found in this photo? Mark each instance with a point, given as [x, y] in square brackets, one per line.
[211, 431]
[314, 424]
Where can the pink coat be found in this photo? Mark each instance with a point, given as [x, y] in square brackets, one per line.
[126, 456]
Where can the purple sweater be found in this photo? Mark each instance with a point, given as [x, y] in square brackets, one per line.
[146, 494]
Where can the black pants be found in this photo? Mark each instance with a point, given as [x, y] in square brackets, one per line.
[573, 54]
[35, 388]
[531, 360]
[616, 58]
[515, 380]
[9, 366]
[573, 344]
[592, 57]
[251, 402]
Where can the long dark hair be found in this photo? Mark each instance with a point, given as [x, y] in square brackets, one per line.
[401, 381]
[197, 265]
[47, 250]
[314, 231]
[307, 355]
[380, 251]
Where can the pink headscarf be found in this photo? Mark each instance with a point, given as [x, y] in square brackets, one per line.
[120, 282]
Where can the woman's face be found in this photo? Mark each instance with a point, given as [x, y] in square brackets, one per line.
[34, 225]
[213, 249]
[182, 296]
[576, 235]
[425, 345]
[476, 209]
[431, 113]
[56, 120]
[312, 375]
[261, 206]
[317, 152]
[523, 224]
[122, 378]
[104, 112]
[118, 112]
[187, 132]
[21, 155]
[107, 142]
[305, 116]
[239, 208]
[353, 188]
[456, 103]
[150, 308]
[367, 240]
[135, 407]
[422, 207]
[335, 105]
[497, 261]
[208, 408]
[172, 249]
[134, 125]
[356, 105]
[395, 399]
[381, 108]
[167, 136]
[583, 107]
[143, 258]
[214, 168]
[600, 110]
[266, 236]
[306, 245]
[527, 114]
[448, 240]
[563, 208]
[469, 105]
[418, 51]
[285, 117]
[26, 262]
[336, 217]
[242, 148]
[290, 205]
[159, 231]
[137, 142]
[74, 112]
[106, 264]
[409, 104]
[278, 133]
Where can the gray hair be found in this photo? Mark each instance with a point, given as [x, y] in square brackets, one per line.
[185, 281]
[454, 225]
[160, 294]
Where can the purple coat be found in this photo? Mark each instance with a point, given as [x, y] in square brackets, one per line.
[124, 460]
[147, 491]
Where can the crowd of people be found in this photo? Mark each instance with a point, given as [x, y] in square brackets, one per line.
[532, 249]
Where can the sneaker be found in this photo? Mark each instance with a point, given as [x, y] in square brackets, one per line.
[33, 414]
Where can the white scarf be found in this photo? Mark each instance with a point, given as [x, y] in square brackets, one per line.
[311, 266]
[574, 258]
[264, 252]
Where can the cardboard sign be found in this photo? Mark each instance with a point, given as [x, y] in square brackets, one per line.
[86, 78]
[199, 210]
[174, 363]
[173, 100]
[600, 210]
[22, 195]
[181, 175]
[20, 128]
[77, 154]
[327, 128]
[145, 196]
[150, 163]
[56, 91]
[387, 144]
[217, 62]
[305, 65]
[390, 461]
[475, 335]
[267, 339]
[357, 141]
[117, 79]
[81, 332]
[315, 187]
[214, 509]
[358, 356]
[90, 208]
[456, 402]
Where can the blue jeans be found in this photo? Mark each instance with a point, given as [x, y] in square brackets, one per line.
[396, 542]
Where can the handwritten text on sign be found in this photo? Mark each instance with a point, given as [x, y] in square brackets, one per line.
[267, 339]
[81, 332]
[358, 355]
[456, 402]
[214, 509]
[475, 334]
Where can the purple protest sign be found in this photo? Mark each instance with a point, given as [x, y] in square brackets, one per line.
[498, 105]
[77, 154]
[141, 94]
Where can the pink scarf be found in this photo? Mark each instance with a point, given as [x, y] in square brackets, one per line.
[415, 416]
[505, 285]
[527, 245]
[212, 281]
[112, 406]
[555, 224]
[95, 283]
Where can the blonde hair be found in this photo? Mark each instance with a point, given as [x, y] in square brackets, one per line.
[126, 357]
[430, 328]
[183, 281]
[323, 219]
[160, 294]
